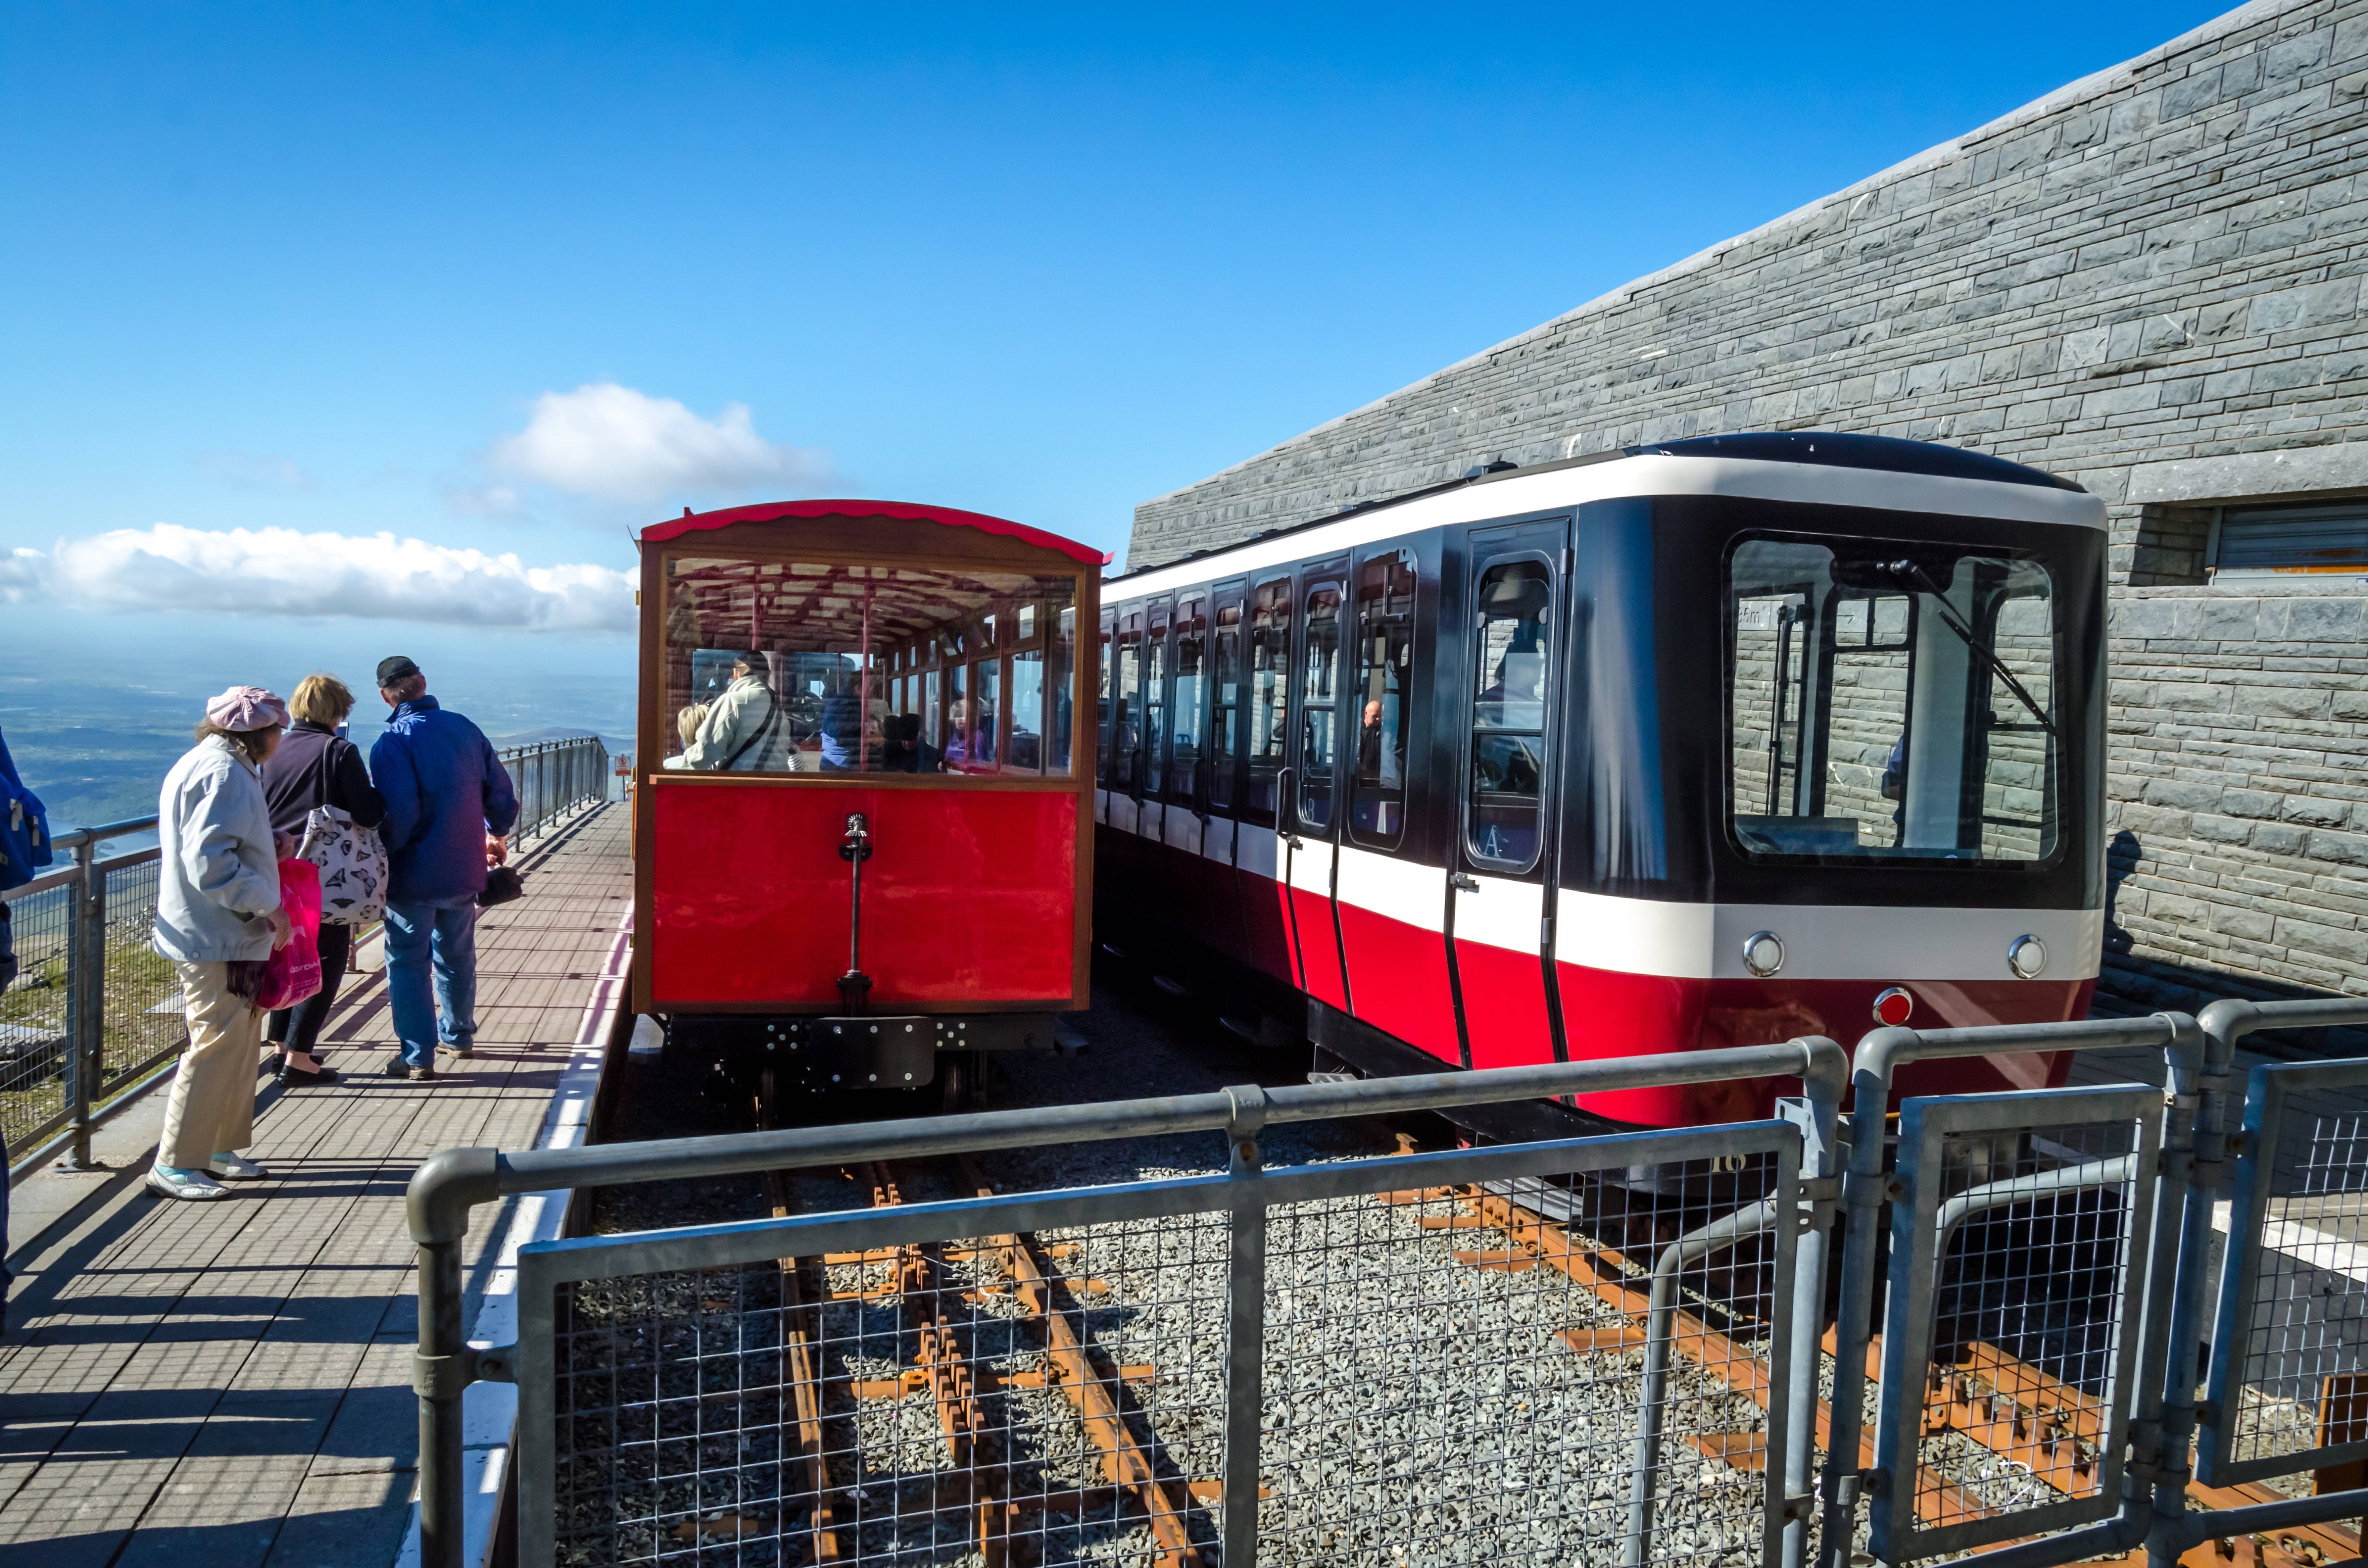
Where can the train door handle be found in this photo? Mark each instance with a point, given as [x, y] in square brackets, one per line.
[1458, 880]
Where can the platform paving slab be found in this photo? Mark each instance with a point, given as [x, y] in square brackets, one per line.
[227, 1385]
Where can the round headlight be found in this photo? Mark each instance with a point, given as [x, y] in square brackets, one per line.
[2027, 956]
[1763, 953]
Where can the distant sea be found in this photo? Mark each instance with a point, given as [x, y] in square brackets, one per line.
[96, 709]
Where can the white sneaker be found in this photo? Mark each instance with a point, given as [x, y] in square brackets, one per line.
[235, 1167]
[175, 1183]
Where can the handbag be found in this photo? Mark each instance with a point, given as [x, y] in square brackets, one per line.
[293, 973]
[352, 862]
[503, 884]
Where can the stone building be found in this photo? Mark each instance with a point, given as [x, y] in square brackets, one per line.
[2149, 281]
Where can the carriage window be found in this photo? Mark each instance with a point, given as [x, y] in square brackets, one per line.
[1126, 704]
[1224, 718]
[786, 667]
[1103, 746]
[1269, 671]
[1155, 706]
[1065, 660]
[986, 707]
[1385, 669]
[1890, 699]
[1319, 716]
[1509, 716]
[1027, 750]
[1184, 771]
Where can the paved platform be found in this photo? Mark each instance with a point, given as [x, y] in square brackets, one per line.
[228, 1385]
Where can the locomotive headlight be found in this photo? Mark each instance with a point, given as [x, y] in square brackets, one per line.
[2027, 956]
[1763, 953]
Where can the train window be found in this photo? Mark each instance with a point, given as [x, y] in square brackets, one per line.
[1108, 666]
[1064, 658]
[835, 667]
[1026, 751]
[1889, 700]
[1269, 665]
[1184, 768]
[1319, 711]
[1155, 705]
[1509, 716]
[1225, 715]
[1126, 704]
[1385, 670]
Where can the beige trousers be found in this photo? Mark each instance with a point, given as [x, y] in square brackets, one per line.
[213, 1107]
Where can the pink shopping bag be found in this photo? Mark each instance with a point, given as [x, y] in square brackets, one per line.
[293, 973]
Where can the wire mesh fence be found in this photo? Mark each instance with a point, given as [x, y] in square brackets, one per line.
[2012, 1311]
[36, 1012]
[2290, 1380]
[141, 1020]
[1456, 1371]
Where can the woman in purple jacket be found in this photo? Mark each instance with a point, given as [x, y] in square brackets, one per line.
[316, 766]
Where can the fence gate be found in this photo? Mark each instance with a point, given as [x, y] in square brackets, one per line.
[1569, 1352]
[2019, 1238]
[2288, 1390]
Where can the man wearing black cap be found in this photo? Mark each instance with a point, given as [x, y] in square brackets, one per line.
[448, 802]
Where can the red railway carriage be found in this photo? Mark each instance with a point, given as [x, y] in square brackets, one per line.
[862, 826]
[1715, 742]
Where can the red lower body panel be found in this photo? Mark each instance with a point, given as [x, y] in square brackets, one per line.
[1504, 1005]
[1266, 926]
[1319, 949]
[1398, 974]
[970, 895]
[1608, 1013]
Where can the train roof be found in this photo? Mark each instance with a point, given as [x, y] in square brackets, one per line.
[1882, 472]
[899, 511]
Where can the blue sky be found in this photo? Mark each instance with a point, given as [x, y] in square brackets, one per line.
[514, 280]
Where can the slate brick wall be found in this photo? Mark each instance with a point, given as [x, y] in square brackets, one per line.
[2160, 263]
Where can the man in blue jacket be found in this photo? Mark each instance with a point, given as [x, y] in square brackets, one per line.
[449, 803]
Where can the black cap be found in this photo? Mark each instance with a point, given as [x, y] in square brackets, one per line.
[750, 657]
[395, 670]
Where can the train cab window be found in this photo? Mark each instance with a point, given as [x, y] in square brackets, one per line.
[1027, 745]
[1270, 673]
[1226, 708]
[1126, 703]
[1155, 705]
[792, 666]
[1509, 716]
[1890, 699]
[1384, 673]
[1319, 710]
[1061, 681]
[1186, 717]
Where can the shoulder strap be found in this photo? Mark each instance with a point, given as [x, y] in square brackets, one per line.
[773, 718]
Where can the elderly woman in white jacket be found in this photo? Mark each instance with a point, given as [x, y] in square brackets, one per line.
[218, 917]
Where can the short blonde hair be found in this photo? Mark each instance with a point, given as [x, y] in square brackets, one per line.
[321, 699]
[687, 721]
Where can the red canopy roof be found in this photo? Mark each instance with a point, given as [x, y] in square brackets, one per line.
[902, 511]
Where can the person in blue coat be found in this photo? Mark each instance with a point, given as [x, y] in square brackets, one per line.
[24, 850]
[448, 804]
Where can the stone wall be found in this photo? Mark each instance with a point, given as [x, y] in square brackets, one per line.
[2149, 280]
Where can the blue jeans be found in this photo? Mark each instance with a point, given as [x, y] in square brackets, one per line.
[447, 929]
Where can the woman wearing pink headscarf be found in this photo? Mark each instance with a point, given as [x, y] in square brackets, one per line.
[218, 918]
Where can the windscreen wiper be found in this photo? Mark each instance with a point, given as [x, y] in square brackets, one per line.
[1911, 571]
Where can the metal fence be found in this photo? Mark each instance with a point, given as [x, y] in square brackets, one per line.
[1589, 1350]
[94, 1011]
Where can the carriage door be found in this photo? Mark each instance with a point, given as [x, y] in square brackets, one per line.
[1497, 910]
[1317, 700]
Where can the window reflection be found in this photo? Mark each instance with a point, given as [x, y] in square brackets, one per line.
[1384, 664]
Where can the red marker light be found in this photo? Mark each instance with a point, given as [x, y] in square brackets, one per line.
[1893, 1006]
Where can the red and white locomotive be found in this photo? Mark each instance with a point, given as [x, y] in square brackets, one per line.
[1712, 742]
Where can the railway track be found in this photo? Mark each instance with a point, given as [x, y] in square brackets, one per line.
[1006, 1500]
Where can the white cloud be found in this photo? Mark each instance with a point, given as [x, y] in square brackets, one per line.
[245, 471]
[283, 572]
[617, 443]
